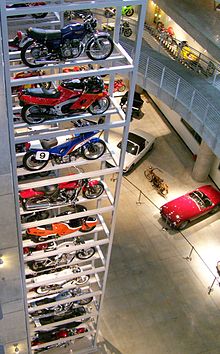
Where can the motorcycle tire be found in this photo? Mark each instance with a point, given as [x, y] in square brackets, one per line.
[82, 280]
[86, 254]
[85, 301]
[30, 162]
[26, 114]
[129, 12]
[24, 50]
[93, 192]
[127, 32]
[94, 150]
[41, 15]
[43, 290]
[99, 106]
[106, 44]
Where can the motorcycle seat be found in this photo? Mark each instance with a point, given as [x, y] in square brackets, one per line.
[74, 84]
[43, 93]
[47, 144]
[42, 34]
[48, 190]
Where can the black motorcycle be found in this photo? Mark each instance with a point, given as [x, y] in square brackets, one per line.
[51, 46]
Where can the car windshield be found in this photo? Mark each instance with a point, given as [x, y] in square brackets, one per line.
[200, 199]
[131, 147]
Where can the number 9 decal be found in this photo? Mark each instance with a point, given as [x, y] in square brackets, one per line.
[42, 155]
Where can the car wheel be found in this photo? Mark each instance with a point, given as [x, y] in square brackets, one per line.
[183, 225]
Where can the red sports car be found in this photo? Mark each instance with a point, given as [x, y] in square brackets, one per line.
[180, 211]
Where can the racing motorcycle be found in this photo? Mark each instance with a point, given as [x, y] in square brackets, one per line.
[43, 233]
[81, 145]
[52, 46]
[71, 96]
[40, 15]
[60, 260]
[60, 194]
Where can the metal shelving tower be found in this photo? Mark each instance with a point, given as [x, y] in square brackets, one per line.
[104, 207]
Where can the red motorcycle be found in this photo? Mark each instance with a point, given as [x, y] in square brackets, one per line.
[70, 97]
[24, 74]
[119, 86]
[60, 194]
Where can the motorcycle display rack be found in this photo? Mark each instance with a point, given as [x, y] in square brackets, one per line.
[101, 238]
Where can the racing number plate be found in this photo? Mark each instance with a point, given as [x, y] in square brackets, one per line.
[42, 155]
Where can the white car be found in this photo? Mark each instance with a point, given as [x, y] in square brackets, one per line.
[139, 143]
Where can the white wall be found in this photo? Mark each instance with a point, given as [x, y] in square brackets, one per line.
[175, 120]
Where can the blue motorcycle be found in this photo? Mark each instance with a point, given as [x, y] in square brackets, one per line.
[80, 145]
[51, 46]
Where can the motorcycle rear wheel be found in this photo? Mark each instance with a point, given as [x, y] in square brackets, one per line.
[99, 106]
[86, 254]
[82, 280]
[129, 12]
[100, 48]
[30, 162]
[27, 52]
[93, 192]
[32, 114]
[93, 151]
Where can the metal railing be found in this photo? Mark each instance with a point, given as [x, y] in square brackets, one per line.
[181, 96]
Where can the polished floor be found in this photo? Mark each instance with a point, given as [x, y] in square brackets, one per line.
[157, 301]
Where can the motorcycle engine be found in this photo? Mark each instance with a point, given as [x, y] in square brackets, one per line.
[71, 49]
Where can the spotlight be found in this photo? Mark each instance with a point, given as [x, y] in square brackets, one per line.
[1, 260]
[16, 349]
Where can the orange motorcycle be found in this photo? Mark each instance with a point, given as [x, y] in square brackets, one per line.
[54, 230]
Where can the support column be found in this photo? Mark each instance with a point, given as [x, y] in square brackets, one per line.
[203, 163]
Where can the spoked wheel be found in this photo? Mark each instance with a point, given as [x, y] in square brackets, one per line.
[33, 114]
[94, 150]
[31, 52]
[100, 48]
[93, 192]
[82, 280]
[148, 175]
[99, 106]
[30, 162]
[127, 32]
[86, 254]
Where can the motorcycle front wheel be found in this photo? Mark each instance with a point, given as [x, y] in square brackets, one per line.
[31, 52]
[93, 192]
[93, 151]
[99, 106]
[129, 12]
[33, 114]
[127, 32]
[82, 280]
[30, 162]
[86, 254]
[100, 48]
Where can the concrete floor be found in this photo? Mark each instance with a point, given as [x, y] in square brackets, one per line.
[156, 301]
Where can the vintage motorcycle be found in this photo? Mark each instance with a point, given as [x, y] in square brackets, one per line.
[125, 28]
[27, 74]
[52, 46]
[80, 280]
[60, 194]
[60, 260]
[126, 11]
[67, 313]
[40, 15]
[71, 96]
[157, 182]
[79, 146]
